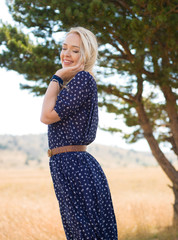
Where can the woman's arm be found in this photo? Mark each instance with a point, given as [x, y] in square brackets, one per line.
[48, 114]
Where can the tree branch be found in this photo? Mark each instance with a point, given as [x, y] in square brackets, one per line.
[125, 6]
[174, 78]
[123, 44]
[138, 95]
[111, 89]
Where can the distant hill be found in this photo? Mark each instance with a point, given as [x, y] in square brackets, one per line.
[30, 150]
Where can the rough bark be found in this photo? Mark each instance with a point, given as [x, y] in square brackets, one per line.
[175, 205]
[156, 151]
[167, 167]
[173, 115]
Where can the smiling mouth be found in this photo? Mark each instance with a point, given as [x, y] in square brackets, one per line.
[67, 62]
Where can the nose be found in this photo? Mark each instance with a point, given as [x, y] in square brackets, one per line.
[67, 52]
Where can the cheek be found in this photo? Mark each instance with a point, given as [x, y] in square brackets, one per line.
[61, 54]
[77, 57]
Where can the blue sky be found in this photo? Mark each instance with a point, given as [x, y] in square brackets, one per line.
[20, 110]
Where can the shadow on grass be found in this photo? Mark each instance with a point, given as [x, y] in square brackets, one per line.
[168, 233]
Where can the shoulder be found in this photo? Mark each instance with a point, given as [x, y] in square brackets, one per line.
[85, 77]
[83, 74]
[82, 80]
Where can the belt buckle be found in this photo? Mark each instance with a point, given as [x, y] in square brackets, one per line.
[49, 153]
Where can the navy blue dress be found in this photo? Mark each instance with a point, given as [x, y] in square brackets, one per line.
[79, 182]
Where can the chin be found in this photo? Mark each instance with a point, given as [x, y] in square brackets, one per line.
[66, 66]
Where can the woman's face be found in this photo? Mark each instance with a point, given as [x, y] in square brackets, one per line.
[71, 50]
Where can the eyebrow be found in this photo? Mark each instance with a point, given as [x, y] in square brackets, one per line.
[72, 45]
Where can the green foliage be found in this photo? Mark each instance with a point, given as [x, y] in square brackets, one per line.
[137, 39]
[35, 61]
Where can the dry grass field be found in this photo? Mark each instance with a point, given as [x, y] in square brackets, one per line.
[142, 202]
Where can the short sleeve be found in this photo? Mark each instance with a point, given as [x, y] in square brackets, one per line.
[73, 96]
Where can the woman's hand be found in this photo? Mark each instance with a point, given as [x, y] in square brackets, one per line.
[69, 72]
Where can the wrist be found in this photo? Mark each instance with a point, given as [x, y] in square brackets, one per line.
[57, 79]
[60, 73]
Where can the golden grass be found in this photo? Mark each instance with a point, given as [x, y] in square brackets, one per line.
[141, 198]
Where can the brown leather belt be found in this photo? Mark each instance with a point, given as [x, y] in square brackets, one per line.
[63, 149]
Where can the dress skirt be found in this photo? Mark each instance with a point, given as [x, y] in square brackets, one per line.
[84, 197]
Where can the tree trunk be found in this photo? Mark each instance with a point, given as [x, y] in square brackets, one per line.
[171, 109]
[167, 167]
[175, 206]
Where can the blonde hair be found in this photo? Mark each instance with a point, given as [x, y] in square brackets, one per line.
[89, 49]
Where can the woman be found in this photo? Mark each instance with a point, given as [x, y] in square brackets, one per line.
[70, 109]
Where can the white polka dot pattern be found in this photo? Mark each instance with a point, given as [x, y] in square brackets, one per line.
[79, 181]
[84, 197]
[77, 106]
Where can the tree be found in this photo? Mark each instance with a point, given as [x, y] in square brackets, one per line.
[137, 38]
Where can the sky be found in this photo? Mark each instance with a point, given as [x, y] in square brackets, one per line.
[20, 110]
